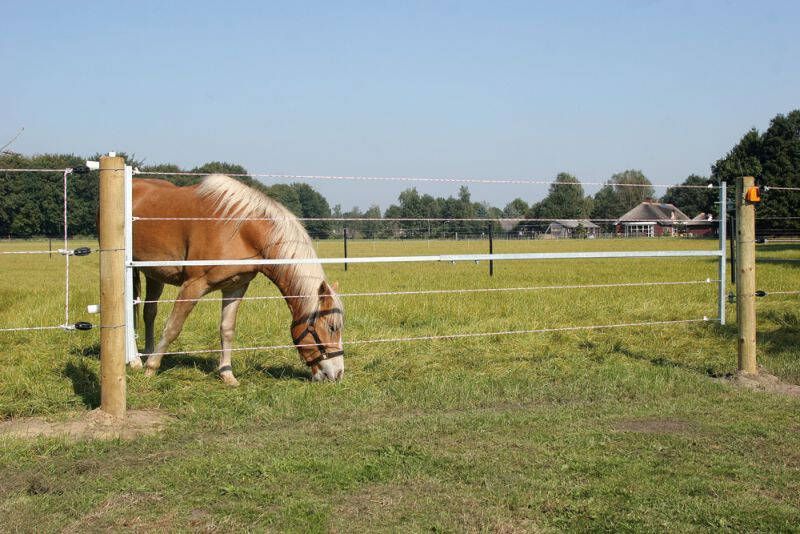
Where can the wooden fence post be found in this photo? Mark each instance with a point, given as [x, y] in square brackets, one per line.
[112, 285]
[746, 276]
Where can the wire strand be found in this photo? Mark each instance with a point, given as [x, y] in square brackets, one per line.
[442, 291]
[516, 181]
[687, 222]
[36, 170]
[444, 336]
[32, 328]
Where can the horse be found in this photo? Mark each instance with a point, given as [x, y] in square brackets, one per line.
[245, 224]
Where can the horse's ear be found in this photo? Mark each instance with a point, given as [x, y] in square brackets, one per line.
[324, 289]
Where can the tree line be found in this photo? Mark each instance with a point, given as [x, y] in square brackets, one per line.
[31, 203]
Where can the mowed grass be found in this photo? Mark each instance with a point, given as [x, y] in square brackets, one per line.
[618, 429]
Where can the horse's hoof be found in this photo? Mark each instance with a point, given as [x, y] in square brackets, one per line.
[150, 371]
[229, 379]
[136, 363]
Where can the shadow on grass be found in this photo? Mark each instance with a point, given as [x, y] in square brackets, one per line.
[284, 372]
[660, 361]
[204, 364]
[783, 341]
[85, 383]
[92, 351]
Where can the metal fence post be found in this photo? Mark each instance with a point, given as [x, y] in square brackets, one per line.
[723, 261]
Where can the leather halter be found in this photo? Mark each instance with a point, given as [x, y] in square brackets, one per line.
[311, 330]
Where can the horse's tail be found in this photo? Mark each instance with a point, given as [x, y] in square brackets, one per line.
[137, 290]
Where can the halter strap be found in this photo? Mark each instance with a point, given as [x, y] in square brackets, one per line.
[310, 329]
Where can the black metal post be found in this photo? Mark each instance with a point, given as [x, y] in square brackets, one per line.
[345, 247]
[491, 250]
[732, 238]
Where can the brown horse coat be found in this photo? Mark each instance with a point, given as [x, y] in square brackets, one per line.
[247, 225]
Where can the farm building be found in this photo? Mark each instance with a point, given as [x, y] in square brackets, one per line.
[701, 226]
[651, 219]
[561, 228]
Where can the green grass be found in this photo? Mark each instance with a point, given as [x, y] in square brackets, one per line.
[593, 430]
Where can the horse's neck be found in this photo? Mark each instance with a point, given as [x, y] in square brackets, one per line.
[281, 276]
[295, 302]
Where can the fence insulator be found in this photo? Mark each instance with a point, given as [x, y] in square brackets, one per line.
[761, 293]
[82, 251]
[731, 298]
[83, 325]
[761, 240]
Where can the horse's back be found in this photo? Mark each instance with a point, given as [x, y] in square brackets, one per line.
[173, 226]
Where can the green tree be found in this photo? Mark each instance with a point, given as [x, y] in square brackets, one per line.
[565, 200]
[372, 229]
[314, 205]
[517, 208]
[286, 195]
[622, 192]
[692, 201]
[774, 159]
[632, 188]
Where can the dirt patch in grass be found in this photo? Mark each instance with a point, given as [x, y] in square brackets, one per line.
[656, 426]
[763, 381]
[93, 425]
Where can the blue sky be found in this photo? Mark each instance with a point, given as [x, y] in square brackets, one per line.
[491, 89]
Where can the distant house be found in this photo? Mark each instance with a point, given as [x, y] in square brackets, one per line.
[701, 226]
[652, 219]
[560, 229]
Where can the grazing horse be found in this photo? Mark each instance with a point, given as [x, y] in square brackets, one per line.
[247, 224]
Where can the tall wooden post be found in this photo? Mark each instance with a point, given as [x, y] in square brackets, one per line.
[746, 276]
[112, 285]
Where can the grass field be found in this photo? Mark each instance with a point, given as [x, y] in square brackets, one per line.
[622, 429]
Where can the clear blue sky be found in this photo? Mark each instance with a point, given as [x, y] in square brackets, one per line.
[489, 89]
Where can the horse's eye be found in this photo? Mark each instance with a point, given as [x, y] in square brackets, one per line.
[332, 327]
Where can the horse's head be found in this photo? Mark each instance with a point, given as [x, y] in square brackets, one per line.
[318, 335]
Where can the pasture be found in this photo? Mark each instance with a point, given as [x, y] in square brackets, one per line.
[620, 429]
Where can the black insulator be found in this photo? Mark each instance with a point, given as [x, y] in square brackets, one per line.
[81, 169]
[761, 240]
[83, 325]
[761, 293]
[82, 251]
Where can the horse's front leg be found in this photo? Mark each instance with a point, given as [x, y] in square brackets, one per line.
[153, 293]
[231, 298]
[187, 298]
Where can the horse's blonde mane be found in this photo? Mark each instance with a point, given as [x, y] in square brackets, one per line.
[287, 237]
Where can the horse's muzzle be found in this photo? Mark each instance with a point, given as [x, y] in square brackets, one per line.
[329, 370]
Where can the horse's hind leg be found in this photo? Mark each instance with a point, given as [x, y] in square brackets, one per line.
[190, 291]
[231, 298]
